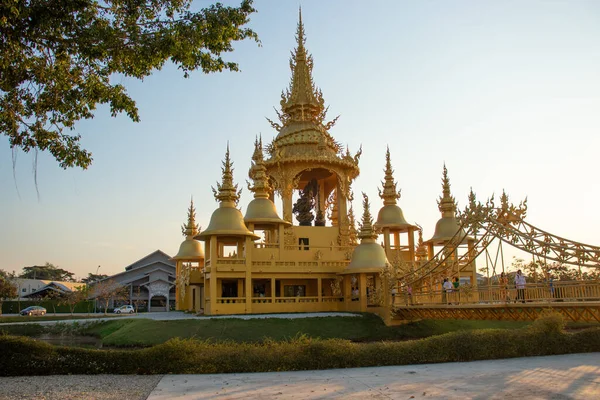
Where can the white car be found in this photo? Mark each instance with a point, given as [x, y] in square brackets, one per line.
[128, 309]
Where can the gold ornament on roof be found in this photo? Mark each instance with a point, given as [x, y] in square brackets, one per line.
[226, 191]
[446, 203]
[366, 227]
[258, 172]
[389, 194]
[192, 228]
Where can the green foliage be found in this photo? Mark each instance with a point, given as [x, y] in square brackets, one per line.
[368, 328]
[8, 289]
[190, 356]
[48, 271]
[549, 322]
[58, 58]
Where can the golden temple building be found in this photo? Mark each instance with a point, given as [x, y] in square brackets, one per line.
[309, 259]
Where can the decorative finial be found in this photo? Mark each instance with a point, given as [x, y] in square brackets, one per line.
[191, 229]
[366, 228]
[226, 191]
[302, 101]
[258, 172]
[389, 194]
[446, 203]
[421, 252]
[352, 232]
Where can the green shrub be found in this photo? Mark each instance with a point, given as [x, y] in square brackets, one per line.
[23, 356]
[550, 322]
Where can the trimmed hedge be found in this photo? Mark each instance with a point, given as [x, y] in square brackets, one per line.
[23, 356]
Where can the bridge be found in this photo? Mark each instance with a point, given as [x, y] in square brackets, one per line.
[487, 228]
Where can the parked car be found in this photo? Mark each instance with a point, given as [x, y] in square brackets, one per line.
[33, 310]
[128, 309]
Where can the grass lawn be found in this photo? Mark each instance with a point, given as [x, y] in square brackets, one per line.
[368, 328]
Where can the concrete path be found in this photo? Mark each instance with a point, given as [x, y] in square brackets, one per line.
[177, 315]
[573, 376]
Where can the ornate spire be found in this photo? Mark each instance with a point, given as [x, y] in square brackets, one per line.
[366, 228]
[226, 191]
[446, 203]
[258, 173]
[352, 232]
[192, 228]
[389, 194]
[421, 253]
[302, 101]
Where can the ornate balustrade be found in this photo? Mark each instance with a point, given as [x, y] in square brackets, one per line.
[559, 291]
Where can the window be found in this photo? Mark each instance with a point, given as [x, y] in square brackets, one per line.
[24, 290]
[294, 290]
[303, 244]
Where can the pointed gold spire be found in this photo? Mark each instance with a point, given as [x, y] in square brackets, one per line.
[258, 173]
[389, 194]
[352, 233]
[192, 228]
[366, 228]
[302, 101]
[226, 191]
[421, 253]
[446, 203]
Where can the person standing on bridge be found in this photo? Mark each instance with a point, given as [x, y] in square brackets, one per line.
[520, 285]
[446, 288]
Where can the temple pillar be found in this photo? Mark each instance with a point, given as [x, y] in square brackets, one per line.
[248, 286]
[273, 294]
[347, 290]
[386, 242]
[213, 275]
[319, 290]
[411, 244]
[362, 289]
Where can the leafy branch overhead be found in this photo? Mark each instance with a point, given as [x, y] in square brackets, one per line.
[58, 58]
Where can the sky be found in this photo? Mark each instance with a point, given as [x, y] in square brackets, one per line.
[505, 93]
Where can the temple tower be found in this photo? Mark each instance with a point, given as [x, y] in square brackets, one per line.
[304, 156]
[448, 230]
[229, 244]
[391, 222]
[189, 263]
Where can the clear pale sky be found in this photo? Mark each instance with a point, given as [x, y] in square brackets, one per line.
[507, 93]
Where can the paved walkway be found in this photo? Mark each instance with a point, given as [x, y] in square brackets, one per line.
[176, 315]
[573, 376]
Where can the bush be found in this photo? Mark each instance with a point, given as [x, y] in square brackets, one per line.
[550, 322]
[23, 356]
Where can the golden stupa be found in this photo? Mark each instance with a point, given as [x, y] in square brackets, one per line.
[308, 259]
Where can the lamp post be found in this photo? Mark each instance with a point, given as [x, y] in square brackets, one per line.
[96, 298]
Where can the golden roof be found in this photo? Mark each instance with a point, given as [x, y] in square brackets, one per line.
[390, 215]
[302, 133]
[368, 256]
[190, 249]
[261, 211]
[226, 220]
[447, 227]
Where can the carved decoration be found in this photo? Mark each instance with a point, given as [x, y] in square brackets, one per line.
[158, 288]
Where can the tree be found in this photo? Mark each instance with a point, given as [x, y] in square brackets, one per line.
[91, 278]
[106, 290]
[52, 296]
[72, 298]
[58, 59]
[8, 289]
[48, 271]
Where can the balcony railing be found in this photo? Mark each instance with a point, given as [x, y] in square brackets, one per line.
[563, 291]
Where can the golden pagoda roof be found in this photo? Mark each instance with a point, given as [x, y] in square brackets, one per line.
[303, 136]
[421, 253]
[390, 215]
[190, 249]
[261, 211]
[226, 220]
[368, 256]
[448, 226]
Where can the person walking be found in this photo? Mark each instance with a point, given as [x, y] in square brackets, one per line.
[520, 285]
[455, 289]
[504, 288]
[446, 288]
